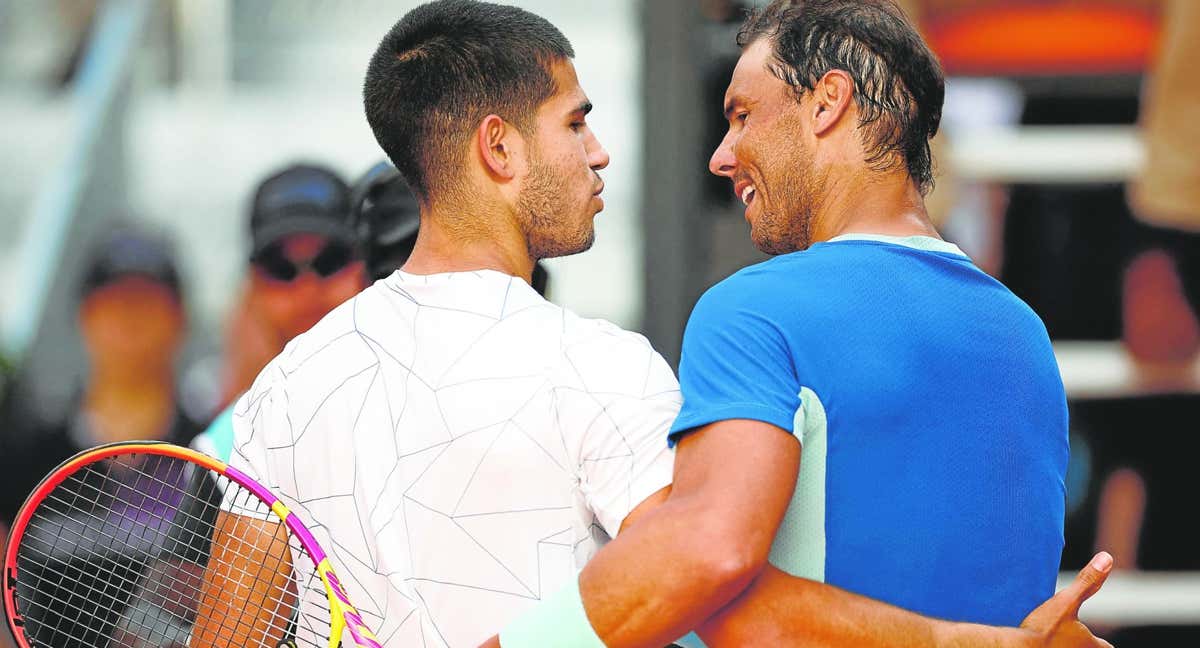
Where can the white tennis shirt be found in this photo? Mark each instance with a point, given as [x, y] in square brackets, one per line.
[459, 445]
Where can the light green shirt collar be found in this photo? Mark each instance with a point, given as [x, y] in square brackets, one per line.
[927, 243]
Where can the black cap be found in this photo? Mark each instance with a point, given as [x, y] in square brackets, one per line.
[301, 199]
[387, 218]
[126, 250]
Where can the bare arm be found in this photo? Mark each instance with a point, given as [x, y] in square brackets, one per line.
[778, 609]
[781, 610]
[698, 550]
[247, 593]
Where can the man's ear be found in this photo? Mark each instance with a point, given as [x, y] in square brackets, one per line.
[499, 146]
[831, 100]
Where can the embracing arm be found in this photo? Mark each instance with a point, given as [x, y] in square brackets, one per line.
[700, 548]
[711, 538]
[682, 561]
[781, 610]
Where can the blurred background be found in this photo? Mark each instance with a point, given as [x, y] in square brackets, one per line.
[136, 136]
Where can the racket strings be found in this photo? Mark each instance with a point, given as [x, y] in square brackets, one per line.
[117, 554]
[127, 578]
[280, 605]
[87, 612]
[101, 559]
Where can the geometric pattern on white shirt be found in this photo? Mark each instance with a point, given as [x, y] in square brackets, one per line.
[459, 445]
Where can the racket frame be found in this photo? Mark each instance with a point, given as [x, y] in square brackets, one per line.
[343, 615]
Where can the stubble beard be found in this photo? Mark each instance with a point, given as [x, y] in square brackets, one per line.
[786, 227]
[545, 209]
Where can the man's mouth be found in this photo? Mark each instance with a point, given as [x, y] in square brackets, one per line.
[745, 190]
[748, 194]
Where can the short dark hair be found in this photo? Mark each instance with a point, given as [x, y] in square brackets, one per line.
[444, 67]
[899, 84]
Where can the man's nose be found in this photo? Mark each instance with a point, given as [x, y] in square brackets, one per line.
[723, 162]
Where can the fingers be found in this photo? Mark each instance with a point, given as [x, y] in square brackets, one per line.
[1088, 581]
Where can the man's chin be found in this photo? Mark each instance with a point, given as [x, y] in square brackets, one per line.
[587, 243]
[773, 245]
[565, 249]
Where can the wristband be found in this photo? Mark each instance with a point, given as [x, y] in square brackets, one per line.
[558, 620]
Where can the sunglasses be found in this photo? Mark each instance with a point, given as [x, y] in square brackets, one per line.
[329, 261]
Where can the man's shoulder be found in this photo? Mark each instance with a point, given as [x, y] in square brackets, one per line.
[584, 333]
[599, 356]
[361, 333]
[767, 278]
[821, 279]
[343, 337]
[761, 288]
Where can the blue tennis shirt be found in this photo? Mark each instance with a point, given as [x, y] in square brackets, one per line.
[931, 413]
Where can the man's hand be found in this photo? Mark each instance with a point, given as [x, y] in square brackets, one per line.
[1056, 622]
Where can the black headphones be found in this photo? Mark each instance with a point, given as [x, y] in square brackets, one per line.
[385, 214]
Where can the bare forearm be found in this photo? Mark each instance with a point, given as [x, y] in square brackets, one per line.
[781, 610]
[656, 582]
[695, 553]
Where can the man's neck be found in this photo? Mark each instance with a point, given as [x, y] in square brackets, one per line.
[872, 203]
[123, 404]
[454, 240]
[120, 383]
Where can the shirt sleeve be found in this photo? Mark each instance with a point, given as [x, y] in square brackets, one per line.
[736, 362]
[623, 396]
[255, 417]
[216, 440]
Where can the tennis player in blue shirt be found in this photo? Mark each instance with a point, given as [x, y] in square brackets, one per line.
[867, 409]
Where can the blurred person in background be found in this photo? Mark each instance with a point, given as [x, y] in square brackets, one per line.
[1160, 288]
[1162, 282]
[386, 216]
[306, 258]
[132, 321]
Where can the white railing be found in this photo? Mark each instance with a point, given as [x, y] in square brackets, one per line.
[1143, 598]
[1107, 370]
[1047, 154]
[105, 68]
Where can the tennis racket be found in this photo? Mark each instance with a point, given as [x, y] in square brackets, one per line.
[139, 545]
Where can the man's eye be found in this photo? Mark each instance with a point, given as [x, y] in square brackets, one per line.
[576, 126]
[742, 116]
